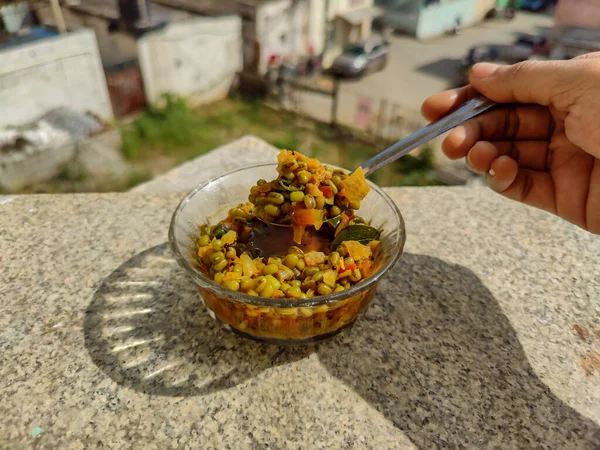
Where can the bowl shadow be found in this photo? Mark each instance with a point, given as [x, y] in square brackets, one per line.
[147, 328]
[436, 355]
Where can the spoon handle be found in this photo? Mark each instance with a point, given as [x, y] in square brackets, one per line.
[464, 112]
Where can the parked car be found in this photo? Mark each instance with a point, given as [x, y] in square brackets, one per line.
[479, 53]
[537, 44]
[360, 58]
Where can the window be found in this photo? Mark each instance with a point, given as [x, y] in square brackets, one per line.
[354, 50]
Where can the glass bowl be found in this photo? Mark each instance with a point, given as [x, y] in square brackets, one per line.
[279, 321]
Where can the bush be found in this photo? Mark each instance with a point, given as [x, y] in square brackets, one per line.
[167, 126]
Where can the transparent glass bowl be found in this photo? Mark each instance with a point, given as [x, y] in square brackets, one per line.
[280, 321]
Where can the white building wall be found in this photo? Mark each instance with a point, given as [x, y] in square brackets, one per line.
[316, 25]
[273, 30]
[299, 27]
[196, 58]
[343, 6]
[59, 71]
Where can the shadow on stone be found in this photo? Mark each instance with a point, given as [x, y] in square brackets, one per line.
[147, 329]
[436, 355]
[444, 68]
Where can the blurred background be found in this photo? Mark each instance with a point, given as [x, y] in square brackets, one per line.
[101, 95]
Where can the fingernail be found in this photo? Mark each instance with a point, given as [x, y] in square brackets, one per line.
[469, 163]
[482, 70]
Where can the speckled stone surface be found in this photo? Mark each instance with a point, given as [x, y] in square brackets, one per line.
[469, 343]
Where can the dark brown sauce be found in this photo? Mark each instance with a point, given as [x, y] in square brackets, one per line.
[275, 241]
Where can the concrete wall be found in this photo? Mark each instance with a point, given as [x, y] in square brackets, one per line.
[316, 25]
[438, 19]
[343, 6]
[196, 58]
[42, 75]
[280, 30]
[577, 13]
[483, 7]
[114, 47]
[34, 164]
[403, 15]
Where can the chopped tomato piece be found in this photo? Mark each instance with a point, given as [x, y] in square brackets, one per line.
[326, 190]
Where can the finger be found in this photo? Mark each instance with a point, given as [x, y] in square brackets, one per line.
[525, 82]
[593, 55]
[502, 173]
[528, 154]
[593, 200]
[438, 105]
[523, 185]
[481, 156]
[522, 122]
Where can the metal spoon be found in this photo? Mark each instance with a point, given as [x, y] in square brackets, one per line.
[469, 109]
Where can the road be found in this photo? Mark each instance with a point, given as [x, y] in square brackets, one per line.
[418, 69]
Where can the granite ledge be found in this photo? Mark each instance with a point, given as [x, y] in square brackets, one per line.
[469, 341]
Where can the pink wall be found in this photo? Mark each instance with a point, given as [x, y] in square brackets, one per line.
[577, 13]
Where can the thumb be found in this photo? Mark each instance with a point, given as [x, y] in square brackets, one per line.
[526, 82]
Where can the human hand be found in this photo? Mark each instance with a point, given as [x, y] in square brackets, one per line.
[542, 147]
